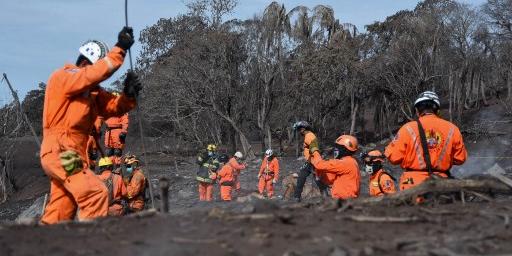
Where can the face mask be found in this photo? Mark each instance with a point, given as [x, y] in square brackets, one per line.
[368, 169]
[129, 169]
[210, 153]
[336, 153]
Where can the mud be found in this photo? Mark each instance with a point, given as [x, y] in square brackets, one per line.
[456, 229]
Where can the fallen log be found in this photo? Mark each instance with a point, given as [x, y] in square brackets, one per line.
[361, 218]
[497, 172]
[438, 186]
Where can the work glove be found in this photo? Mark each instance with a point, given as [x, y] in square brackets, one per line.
[122, 137]
[125, 38]
[132, 85]
[71, 162]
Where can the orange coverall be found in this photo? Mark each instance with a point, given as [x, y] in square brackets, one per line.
[135, 189]
[237, 167]
[342, 174]
[445, 146]
[206, 189]
[226, 176]
[269, 172]
[115, 126]
[310, 140]
[72, 101]
[381, 184]
[119, 192]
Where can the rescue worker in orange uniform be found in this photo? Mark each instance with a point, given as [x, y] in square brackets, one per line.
[226, 177]
[342, 172]
[115, 136]
[207, 173]
[268, 174]
[310, 145]
[380, 182]
[237, 166]
[443, 140]
[115, 185]
[92, 144]
[137, 184]
[73, 99]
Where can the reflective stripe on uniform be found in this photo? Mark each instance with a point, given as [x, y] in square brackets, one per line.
[109, 64]
[419, 154]
[445, 146]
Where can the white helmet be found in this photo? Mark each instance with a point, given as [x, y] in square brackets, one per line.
[239, 155]
[94, 50]
[428, 95]
[269, 152]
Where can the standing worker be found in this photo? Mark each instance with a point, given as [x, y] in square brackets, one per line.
[310, 145]
[441, 143]
[380, 182]
[115, 136]
[115, 185]
[237, 166]
[268, 174]
[73, 99]
[92, 143]
[226, 178]
[342, 172]
[137, 183]
[207, 173]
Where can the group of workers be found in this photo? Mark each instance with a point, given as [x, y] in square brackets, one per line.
[74, 102]
[215, 168]
[424, 148]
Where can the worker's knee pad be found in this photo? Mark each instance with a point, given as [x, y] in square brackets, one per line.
[118, 152]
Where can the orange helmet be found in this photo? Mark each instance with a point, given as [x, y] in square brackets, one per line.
[374, 156]
[131, 159]
[347, 141]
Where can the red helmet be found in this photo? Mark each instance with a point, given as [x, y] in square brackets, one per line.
[348, 141]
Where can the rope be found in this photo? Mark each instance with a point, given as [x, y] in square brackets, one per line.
[126, 23]
[141, 131]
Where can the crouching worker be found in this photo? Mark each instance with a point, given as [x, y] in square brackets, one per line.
[137, 184]
[226, 177]
[73, 100]
[342, 172]
[115, 185]
[380, 182]
[207, 173]
[269, 173]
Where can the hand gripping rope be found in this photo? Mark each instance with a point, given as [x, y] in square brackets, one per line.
[140, 119]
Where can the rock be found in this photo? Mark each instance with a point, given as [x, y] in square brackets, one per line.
[337, 251]
[248, 209]
[33, 211]
[249, 198]
[291, 253]
[185, 194]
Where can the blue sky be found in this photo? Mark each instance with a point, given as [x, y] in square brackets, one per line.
[39, 36]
